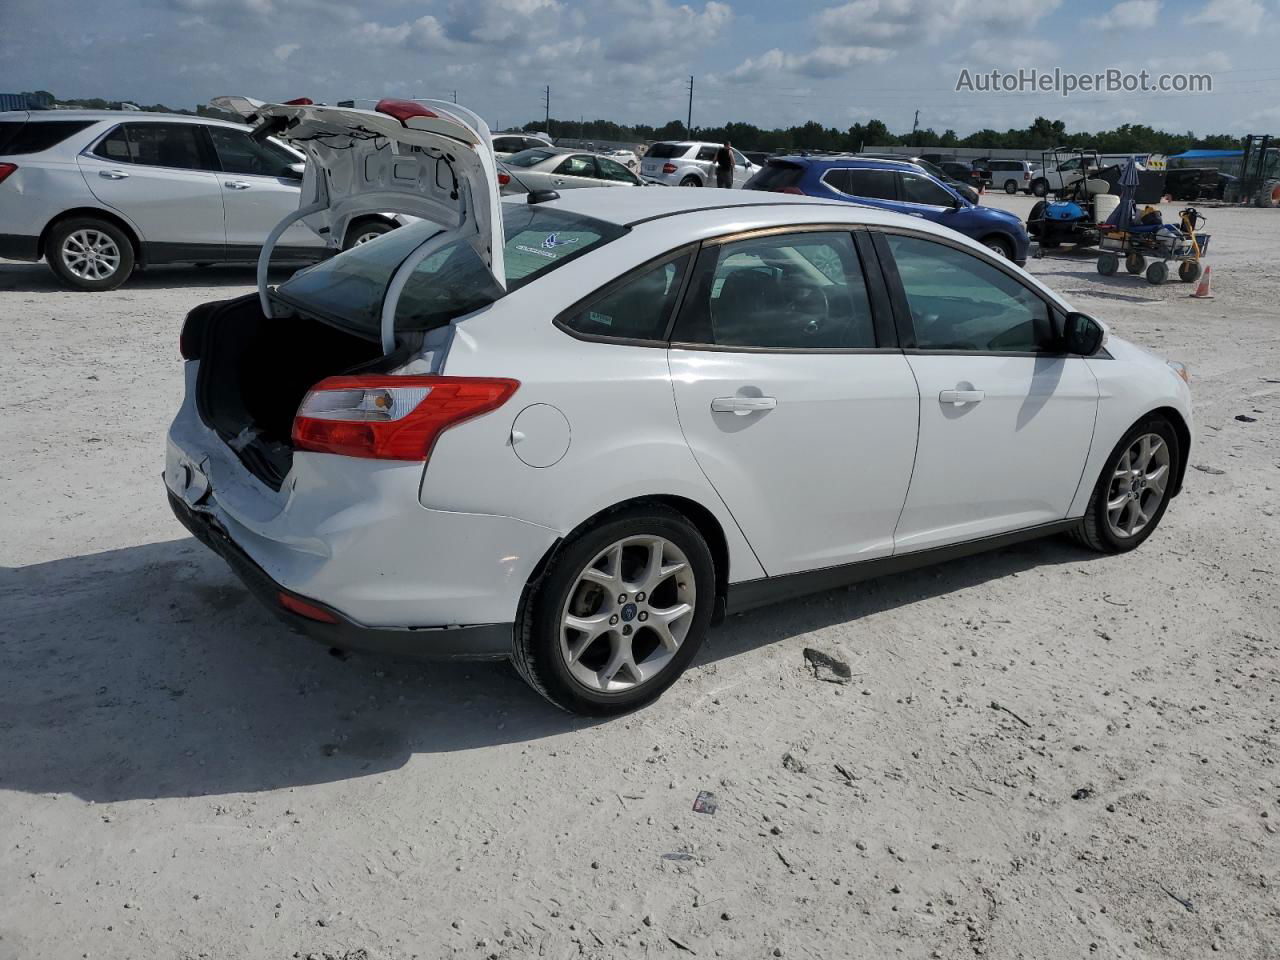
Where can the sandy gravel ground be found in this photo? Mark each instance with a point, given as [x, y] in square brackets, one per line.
[180, 777]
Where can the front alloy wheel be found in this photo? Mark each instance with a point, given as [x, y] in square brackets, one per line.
[1131, 496]
[619, 612]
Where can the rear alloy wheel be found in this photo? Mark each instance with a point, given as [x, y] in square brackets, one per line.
[619, 614]
[1132, 494]
[90, 254]
[691, 181]
[1011, 186]
[360, 233]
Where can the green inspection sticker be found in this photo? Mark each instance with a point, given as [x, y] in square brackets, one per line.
[601, 318]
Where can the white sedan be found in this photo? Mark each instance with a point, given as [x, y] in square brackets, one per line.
[577, 432]
[562, 168]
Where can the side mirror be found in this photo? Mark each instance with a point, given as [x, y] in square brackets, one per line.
[1082, 334]
[293, 171]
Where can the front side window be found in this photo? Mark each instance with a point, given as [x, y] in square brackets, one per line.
[916, 189]
[240, 153]
[612, 170]
[798, 291]
[738, 158]
[959, 302]
[638, 309]
[577, 165]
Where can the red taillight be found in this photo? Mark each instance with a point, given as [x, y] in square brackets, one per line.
[390, 417]
[668, 168]
[795, 190]
[303, 609]
[300, 102]
[402, 110]
[504, 179]
[6, 169]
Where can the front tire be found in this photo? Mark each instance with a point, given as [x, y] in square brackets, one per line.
[90, 254]
[1131, 496]
[619, 613]
[999, 246]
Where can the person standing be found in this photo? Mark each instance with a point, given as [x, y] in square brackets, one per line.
[724, 165]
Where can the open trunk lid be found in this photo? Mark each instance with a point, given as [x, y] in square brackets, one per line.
[424, 158]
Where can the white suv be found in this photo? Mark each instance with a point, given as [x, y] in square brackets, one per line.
[576, 431]
[97, 193]
[1011, 176]
[690, 163]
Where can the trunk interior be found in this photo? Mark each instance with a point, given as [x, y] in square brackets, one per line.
[254, 372]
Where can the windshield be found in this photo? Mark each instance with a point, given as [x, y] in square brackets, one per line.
[665, 151]
[347, 291]
[528, 158]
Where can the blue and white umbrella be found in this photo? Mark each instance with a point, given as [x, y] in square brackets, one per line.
[1128, 190]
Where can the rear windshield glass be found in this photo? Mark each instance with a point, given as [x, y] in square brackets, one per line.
[665, 151]
[528, 158]
[776, 175]
[18, 138]
[347, 291]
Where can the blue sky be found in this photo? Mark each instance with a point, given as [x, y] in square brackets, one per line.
[770, 63]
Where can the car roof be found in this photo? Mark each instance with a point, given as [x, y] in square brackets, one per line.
[119, 116]
[629, 208]
[850, 159]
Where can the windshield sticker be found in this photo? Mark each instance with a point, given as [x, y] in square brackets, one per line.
[553, 240]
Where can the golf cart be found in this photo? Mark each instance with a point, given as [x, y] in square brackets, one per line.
[1078, 202]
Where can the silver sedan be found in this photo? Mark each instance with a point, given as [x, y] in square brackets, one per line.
[561, 168]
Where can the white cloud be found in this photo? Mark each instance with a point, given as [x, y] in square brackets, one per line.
[423, 35]
[501, 22]
[286, 50]
[825, 61]
[906, 22]
[654, 29]
[1135, 13]
[1005, 54]
[1242, 15]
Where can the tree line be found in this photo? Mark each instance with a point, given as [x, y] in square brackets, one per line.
[1040, 134]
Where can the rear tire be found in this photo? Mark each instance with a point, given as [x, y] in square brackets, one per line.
[1040, 187]
[365, 230]
[691, 181]
[1108, 264]
[1011, 186]
[598, 579]
[1189, 271]
[1097, 528]
[87, 253]
[1157, 273]
[1135, 263]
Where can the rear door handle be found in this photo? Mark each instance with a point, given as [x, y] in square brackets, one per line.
[742, 405]
[961, 397]
[238, 184]
[113, 175]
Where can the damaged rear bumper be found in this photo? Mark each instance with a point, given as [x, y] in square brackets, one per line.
[489, 641]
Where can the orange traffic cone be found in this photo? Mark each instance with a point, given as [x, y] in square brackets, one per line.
[1202, 290]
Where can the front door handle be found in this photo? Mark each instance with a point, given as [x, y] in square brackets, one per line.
[742, 405]
[238, 184]
[113, 175]
[960, 397]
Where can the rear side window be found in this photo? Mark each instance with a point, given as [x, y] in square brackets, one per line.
[240, 153]
[17, 138]
[797, 291]
[156, 145]
[638, 309]
[707, 153]
[776, 176]
[958, 302]
[665, 151]
[528, 158]
[875, 184]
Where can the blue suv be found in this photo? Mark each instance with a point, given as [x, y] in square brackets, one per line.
[898, 186]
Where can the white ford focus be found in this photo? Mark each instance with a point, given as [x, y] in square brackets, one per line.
[576, 431]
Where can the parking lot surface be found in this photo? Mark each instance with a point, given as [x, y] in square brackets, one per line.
[1042, 752]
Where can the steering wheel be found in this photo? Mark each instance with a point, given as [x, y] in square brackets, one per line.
[806, 306]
